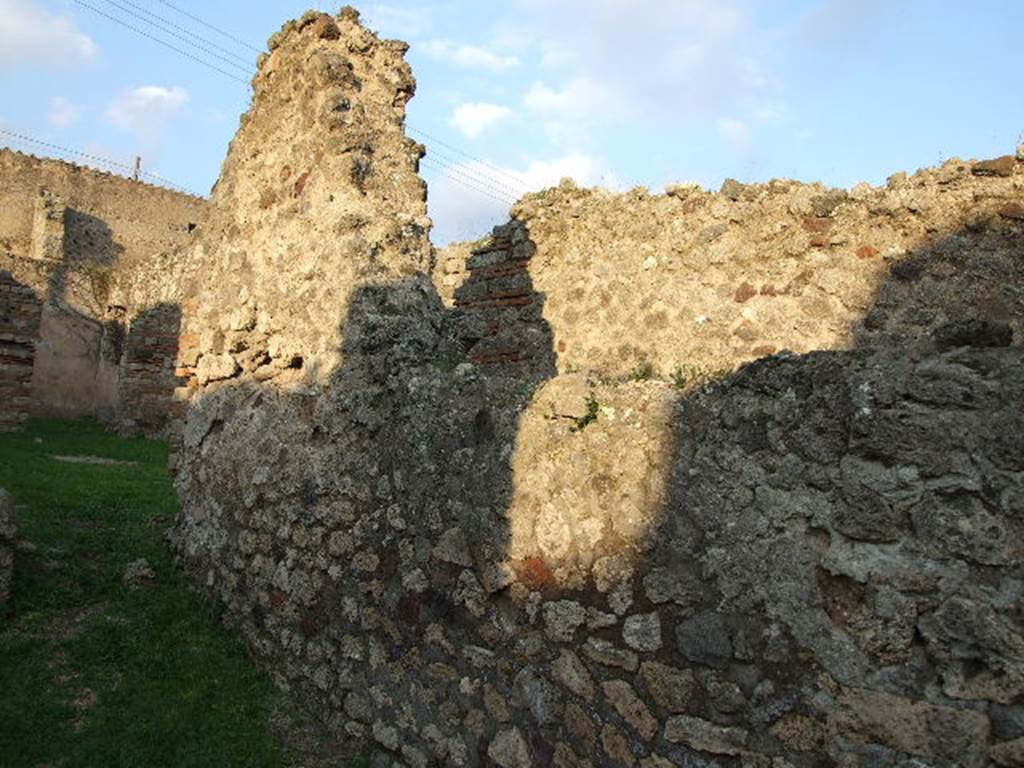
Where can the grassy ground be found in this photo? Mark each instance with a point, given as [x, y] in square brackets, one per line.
[93, 673]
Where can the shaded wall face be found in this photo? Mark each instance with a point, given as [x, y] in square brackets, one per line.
[19, 333]
[148, 375]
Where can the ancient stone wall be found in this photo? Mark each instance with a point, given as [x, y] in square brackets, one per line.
[692, 281]
[19, 333]
[482, 523]
[111, 217]
[99, 250]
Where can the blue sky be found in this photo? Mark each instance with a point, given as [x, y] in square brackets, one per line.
[515, 95]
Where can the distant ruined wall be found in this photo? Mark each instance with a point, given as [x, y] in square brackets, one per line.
[694, 280]
[480, 522]
[99, 250]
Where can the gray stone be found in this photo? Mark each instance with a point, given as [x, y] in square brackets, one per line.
[705, 639]
[973, 332]
[569, 670]
[642, 632]
[599, 619]
[470, 593]
[138, 574]
[630, 707]
[538, 695]
[662, 585]
[385, 735]
[966, 628]
[914, 727]
[705, 736]
[509, 750]
[672, 689]
[617, 746]
[610, 655]
[452, 548]
[1009, 754]
[562, 618]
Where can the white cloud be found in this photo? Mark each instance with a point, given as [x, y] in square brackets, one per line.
[468, 199]
[474, 118]
[63, 113]
[32, 36]
[145, 110]
[647, 61]
[469, 56]
[579, 98]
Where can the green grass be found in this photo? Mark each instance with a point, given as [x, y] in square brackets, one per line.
[92, 673]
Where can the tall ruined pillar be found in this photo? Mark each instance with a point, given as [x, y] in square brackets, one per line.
[319, 196]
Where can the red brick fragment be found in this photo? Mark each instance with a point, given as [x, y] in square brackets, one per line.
[534, 573]
[817, 224]
[744, 293]
[867, 252]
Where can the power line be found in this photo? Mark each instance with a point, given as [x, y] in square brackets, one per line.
[453, 173]
[475, 172]
[235, 60]
[494, 168]
[470, 177]
[467, 185]
[161, 42]
[219, 31]
[444, 173]
[95, 158]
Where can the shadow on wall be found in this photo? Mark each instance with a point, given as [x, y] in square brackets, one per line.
[831, 567]
[405, 444]
[19, 333]
[843, 528]
[147, 370]
[69, 378]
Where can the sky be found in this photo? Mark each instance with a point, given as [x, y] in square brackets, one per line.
[513, 96]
